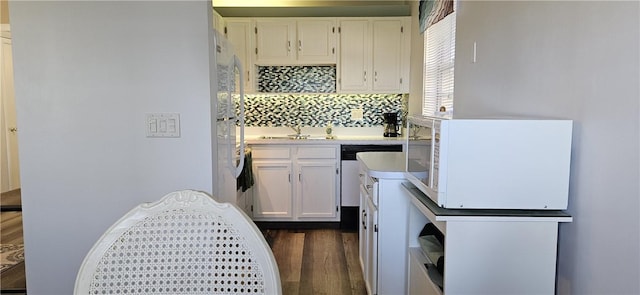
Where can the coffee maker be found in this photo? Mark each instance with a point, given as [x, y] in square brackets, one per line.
[390, 124]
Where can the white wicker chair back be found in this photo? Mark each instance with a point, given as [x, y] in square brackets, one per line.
[185, 243]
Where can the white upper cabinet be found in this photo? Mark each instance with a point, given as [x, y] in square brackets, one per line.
[283, 41]
[371, 54]
[387, 46]
[354, 64]
[316, 40]
[218, 21]
[275, 41]
[239, 31]
[374, 55]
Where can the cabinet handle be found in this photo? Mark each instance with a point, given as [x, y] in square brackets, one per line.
[375, 228]
[375, 76]
[363, 219]
[365, 76]
[299, 177]
[248, 77]
[299, 45]
[288, 45]
[289, 177]
[364, 223]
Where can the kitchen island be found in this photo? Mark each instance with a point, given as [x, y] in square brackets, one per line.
[384, 215]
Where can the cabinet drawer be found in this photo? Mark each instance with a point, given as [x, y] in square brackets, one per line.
[317, 153]
[270, 152]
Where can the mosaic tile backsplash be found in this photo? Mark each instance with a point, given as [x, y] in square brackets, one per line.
[297, 79]
[316, 110]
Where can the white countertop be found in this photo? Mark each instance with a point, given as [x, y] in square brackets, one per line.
[319, 140]
[388, 165]
[343, 135]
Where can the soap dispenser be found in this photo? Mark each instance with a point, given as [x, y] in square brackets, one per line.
[329, 130]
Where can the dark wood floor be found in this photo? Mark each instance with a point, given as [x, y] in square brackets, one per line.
[12, 280]
[318, 261]
[311, 261]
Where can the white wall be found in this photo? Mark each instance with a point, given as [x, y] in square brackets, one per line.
[575, 60]
[86, 72]
[417, 60]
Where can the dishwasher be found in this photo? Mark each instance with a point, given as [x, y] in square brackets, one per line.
[350, 181]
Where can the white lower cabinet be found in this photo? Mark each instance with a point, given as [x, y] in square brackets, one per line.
[382, 234]
[272, 192]
[315, 182]
[295, 183]
[244, 201]
[371, 268]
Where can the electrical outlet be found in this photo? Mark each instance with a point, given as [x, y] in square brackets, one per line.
[357, 114]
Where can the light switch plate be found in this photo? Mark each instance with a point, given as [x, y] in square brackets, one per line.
[163, 125]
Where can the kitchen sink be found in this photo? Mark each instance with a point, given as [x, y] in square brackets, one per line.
[292, 137]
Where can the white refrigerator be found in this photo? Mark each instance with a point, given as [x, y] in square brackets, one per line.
[227, 109]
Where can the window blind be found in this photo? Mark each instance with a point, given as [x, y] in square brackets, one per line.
[439, 56]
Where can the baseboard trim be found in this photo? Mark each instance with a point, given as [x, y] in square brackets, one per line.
[10, 208]
[296, 225]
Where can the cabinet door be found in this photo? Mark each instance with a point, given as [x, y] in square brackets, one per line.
[245, 201]
[372, 247]
[274, 41]
[387, 54]
[272, 193]
[355, 45]
[316, 41]
[240, 34]
[362, 232]
[317, 189]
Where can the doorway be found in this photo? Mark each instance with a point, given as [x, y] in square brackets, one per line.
[10, 168]
[12, 275]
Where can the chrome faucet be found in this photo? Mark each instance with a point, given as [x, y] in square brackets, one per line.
[296, 129]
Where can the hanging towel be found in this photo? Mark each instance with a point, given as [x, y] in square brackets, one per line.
[245, 179]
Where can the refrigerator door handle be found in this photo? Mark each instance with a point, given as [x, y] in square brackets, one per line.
[238, 169]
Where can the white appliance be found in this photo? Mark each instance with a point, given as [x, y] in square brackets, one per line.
[227, 109]
[507, 163]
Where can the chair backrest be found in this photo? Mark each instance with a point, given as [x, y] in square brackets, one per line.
[185, 243]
